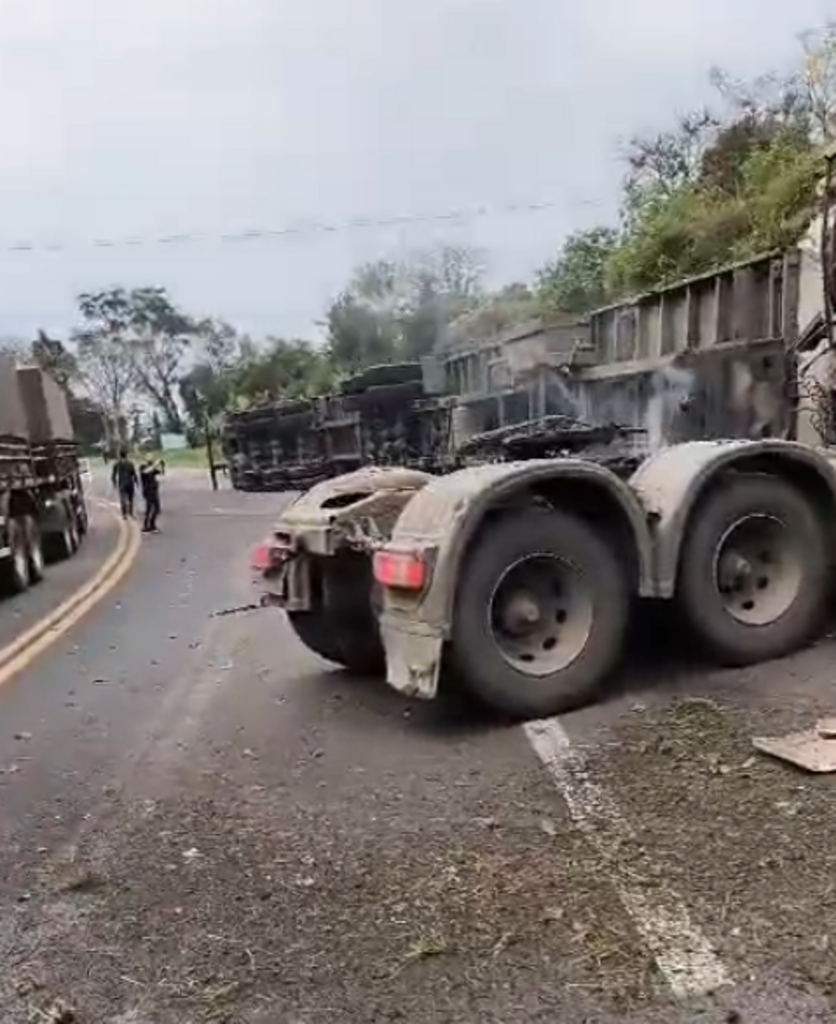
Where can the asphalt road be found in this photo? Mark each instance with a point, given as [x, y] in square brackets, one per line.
[201, 821]
[19, 613]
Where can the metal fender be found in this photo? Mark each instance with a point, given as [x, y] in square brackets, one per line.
[670, 484]
[319, 518]
[441, 519]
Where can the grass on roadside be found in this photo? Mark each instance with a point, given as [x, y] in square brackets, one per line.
[187, 458]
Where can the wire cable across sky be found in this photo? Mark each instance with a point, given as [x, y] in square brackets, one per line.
[302, 229]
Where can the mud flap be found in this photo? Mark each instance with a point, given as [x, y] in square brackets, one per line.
[289, 587]
[413, 661]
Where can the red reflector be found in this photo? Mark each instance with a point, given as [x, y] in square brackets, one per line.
[268, 555]
[261, 558]
[400, 570]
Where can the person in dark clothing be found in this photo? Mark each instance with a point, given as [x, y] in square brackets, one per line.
[125, 480]
[149, 475]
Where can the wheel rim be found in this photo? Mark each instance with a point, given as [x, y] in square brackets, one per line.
[540, 614]
[757, 570]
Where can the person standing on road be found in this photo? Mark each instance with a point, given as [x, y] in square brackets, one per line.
[149, 475]
[125, 480]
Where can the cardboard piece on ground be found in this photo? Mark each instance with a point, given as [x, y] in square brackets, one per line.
[814, 750]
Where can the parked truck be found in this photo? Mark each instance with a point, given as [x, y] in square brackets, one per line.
[520, 578]
[43, 514]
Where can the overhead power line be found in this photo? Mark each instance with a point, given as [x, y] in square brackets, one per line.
[302, 229]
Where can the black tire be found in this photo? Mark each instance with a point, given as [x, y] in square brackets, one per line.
[17, 575]
[358, 650]
[475, 648]
[67, 541]
[351, 601]
[342, 626]
[34, 549]
[317, 633]
[82, 521]
[731, 641]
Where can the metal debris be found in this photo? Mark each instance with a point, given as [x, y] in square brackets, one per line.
[253, 606]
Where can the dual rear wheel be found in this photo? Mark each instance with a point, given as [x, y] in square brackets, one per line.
[25, 565]
[544, 598]
[27, 560]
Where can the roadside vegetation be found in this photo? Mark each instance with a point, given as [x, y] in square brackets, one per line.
[719, 184]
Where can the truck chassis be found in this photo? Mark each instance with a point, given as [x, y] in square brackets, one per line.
[520, 579]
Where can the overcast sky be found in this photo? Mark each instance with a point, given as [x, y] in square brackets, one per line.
[156, 117]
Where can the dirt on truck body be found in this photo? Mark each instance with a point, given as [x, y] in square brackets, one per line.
[521, 577]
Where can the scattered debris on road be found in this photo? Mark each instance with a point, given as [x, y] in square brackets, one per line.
[253, 606]
[812, 749]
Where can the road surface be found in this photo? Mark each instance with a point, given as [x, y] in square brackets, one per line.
[201, 821]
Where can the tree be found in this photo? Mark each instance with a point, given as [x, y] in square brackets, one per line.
[819, 78]
[400, 310]
[576, 282]
[56, 359]
[152, 335]
[160, 335]
[105, 362]
[724, 186]
[359, 335]
[283, 368]
[208, 388]
[495, 313]
[660, 165]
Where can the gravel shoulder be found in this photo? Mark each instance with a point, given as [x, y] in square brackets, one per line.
[745, 839]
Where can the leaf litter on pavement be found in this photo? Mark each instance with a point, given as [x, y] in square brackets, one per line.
[212, 906]
[748, 841]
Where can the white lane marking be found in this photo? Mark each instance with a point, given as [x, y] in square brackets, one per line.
[683, 954]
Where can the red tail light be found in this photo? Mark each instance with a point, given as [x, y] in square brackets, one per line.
[400, 570]
[267, 556]
[261, 557]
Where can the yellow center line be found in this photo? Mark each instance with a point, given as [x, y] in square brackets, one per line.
[35, 640]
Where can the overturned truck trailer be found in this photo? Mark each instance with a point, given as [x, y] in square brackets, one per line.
[273, 448]
[519, 578]
[381, 416]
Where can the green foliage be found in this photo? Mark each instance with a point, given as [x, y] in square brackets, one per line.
[400, 311]
[577, 280]
[56, 359]
[700, 227]
[283, 369]
[512, 305]
[360, 335]
[133, 341]
[715, 188]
